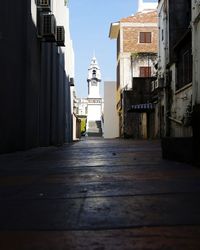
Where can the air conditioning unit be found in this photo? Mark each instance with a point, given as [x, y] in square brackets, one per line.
[60, 36]
[71, 81]
[47, 27]
[44, 4]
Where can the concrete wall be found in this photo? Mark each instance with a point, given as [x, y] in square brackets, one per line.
[178, 23]
[196, 80]
[182, 112]
[196, 52]
[163, 38]
[20, 77]
[34, 86]
[177, 97]
[111, 119]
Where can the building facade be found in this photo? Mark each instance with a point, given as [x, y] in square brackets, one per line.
[36, 70]
[136, 56]
[196, 79]
[178, 70]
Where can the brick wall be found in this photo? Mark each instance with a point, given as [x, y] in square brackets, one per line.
[131, 42]
[133, 25]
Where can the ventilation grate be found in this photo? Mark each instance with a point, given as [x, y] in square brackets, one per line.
[60, 36]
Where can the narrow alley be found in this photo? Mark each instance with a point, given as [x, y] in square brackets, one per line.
[98, 195]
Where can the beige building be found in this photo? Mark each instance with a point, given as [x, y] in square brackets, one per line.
[137, 41]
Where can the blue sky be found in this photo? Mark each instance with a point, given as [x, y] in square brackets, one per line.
[89, 25]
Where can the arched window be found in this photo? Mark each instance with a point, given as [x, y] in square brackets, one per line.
[94, 73]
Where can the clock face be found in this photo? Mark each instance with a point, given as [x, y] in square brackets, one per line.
[94, 83]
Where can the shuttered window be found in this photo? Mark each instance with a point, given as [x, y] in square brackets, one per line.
[145, 71]
[184, 65]
[145, 37]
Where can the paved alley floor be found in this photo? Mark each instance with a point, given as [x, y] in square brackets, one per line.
[98, 195]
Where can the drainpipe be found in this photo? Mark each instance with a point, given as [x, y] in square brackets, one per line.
[132, 71]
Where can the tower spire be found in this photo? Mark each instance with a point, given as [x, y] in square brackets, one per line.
[94, 53]
[94, 78]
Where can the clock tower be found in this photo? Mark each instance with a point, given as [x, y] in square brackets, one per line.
[95, 102]
[94, 78]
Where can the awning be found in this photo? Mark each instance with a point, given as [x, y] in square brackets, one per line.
[144, 107]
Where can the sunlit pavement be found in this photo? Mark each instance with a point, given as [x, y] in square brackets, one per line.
[98, 194]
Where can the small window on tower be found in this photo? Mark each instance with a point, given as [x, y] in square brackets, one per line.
[94, 73]
[94, 83]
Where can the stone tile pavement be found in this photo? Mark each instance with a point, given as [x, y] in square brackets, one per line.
[98, 194]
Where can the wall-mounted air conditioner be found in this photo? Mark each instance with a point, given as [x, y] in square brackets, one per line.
[60, 36]
[47, 27]
[44, 4]
[71, 81]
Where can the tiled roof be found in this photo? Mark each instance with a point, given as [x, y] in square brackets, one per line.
[142, 17]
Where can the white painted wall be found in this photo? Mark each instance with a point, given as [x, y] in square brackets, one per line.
[93, 89]
[125, 71]
[34, 12]
[143, 62]
[163, 52]
[61, 12]
[94, 112]
[142, 5]
[111, 119]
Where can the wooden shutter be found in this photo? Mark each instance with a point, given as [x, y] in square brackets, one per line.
[145, 71]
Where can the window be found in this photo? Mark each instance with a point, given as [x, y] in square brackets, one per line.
[184, 64]
[145, 71]
[94, 83]
[187, 70]
[94, 74]
[145, 37]
[162, 34]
